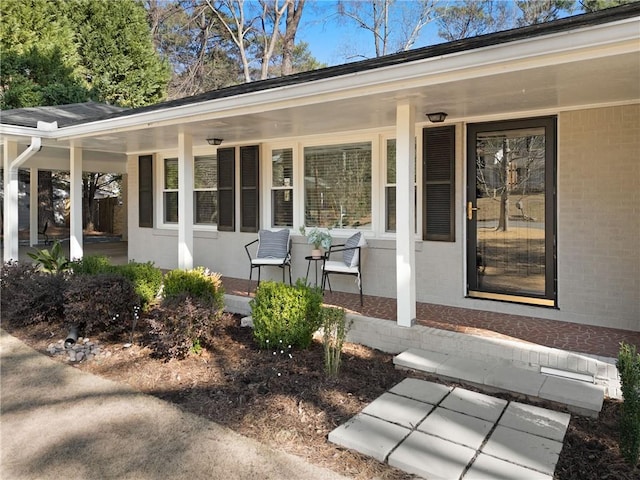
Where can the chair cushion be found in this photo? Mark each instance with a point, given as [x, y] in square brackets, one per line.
[350, 257]
[340, 267]
[273, 244]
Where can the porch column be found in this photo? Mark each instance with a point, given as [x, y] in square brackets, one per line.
[185, 201]
[10, 220]
[75, 203]
[405, 207]
[33, 206]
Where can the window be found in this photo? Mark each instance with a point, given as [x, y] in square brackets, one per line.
[439, 183]
[282, 187]
[337, 185]
[170, 190]
[205, 194]
[390, 187]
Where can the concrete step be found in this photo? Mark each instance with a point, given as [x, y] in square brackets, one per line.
[578, 396]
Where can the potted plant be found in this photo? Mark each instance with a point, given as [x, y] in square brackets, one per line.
[318, 238]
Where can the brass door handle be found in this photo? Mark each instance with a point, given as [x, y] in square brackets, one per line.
[470, 210]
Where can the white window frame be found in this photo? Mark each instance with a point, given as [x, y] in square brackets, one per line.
[273, 188]
[374, 141]
[213, 225]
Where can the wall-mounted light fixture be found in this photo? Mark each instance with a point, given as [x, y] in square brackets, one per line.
[437, 117]
[214, 141]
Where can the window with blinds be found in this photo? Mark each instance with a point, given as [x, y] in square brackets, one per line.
[282, 187]
[205, 190]
[390, 188]
[337, 185]
[170, 191]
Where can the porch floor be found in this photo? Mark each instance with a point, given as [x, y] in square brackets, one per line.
[568, 336]
[573, 337]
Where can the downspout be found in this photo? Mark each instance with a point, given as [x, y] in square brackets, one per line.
[11, 242]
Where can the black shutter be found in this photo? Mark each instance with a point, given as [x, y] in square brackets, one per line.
[145, 191]
[226, 189]
[439, 183]
[249, 183]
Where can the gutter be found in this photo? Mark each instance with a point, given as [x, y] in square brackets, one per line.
[11, 191]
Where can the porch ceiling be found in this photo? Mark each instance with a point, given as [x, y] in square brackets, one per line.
[570, 85]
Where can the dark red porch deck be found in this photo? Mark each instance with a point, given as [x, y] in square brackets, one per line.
[550, 333]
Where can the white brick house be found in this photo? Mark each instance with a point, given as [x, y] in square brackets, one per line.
[551, 113]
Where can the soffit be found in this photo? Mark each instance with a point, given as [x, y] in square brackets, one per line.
[592, 82]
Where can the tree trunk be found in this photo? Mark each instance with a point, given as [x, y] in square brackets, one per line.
[45, 198]
[294, 13]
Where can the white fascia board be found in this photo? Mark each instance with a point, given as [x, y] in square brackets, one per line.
[559, 48]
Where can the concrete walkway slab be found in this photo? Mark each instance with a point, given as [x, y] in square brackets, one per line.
[396, 409]
[486, 467]
[535, 420]
[516, 380]
[456, 427]
[431, 457]
[581, 395]
[58, 422]
[422, 360]
[428, 392]
[475, 404]
[531, 451]
[467, 369]
[369, 435]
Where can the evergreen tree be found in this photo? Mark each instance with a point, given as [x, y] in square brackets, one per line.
[118, 59]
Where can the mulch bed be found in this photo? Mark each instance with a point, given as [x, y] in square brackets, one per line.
[284, 399]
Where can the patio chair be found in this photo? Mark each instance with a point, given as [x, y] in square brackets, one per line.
[349, 264]
[274, 250]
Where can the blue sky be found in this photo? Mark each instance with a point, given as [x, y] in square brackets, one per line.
[333, 42]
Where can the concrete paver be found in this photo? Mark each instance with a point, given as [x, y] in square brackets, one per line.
[524, 449]
[369, 436]
[456, 427]
[431, 457]
[486, 467]
[474, 404]
[396, 409]
[467, 433]
[428, 392]
[535, 420]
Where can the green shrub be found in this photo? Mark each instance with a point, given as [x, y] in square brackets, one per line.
[91, 265]
[146, 279]
[53, 261]
[104, 303]
[198, 283]
[334, 328]
[182, 324]
[290, 314]
[629, 369]
[29, 295]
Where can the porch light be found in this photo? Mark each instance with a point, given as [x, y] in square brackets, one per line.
[437, 117]
[214, 141]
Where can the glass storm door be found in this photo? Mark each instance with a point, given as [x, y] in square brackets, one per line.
[511, 211]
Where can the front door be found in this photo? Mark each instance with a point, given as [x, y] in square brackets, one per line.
[511, 211]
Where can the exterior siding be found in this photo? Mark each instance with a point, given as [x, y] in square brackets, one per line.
[599, 216]
[598, 233]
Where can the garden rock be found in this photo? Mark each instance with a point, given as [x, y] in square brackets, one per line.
[83, 349]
